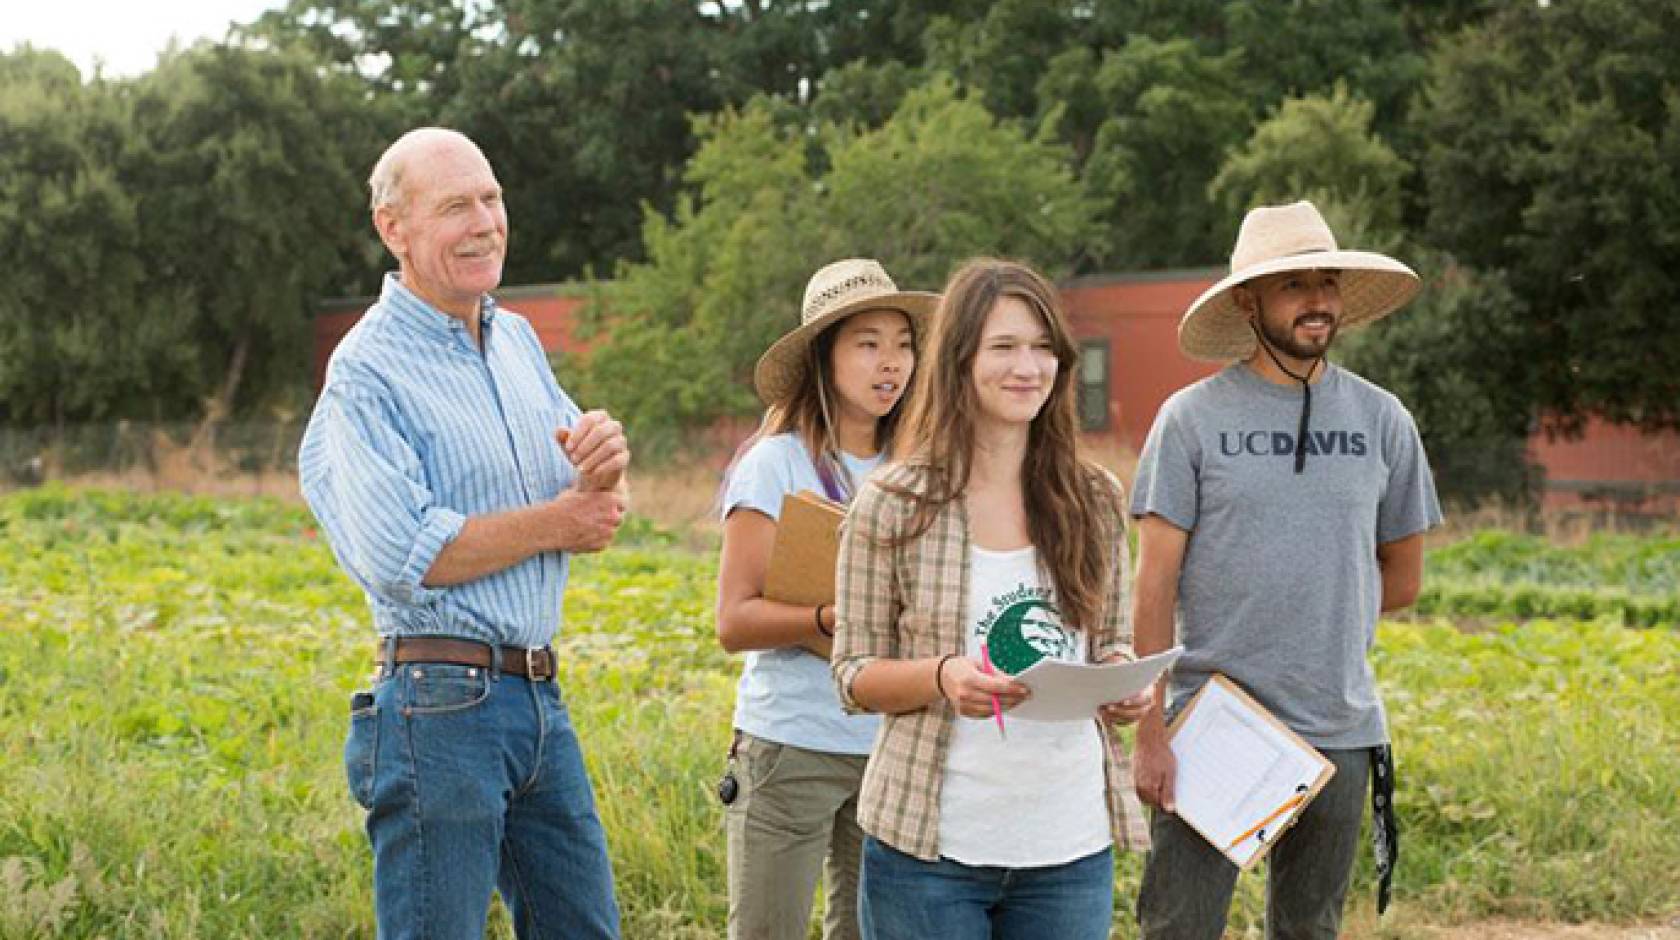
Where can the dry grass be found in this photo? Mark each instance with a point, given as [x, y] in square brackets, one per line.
[1507, 930]
[1111, 452]
[1403, 923]
[681, 497]
[680, 494]
[1565, 527]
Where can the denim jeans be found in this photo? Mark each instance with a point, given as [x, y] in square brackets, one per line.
[901, 897]
[1187, 883]
[474, 783]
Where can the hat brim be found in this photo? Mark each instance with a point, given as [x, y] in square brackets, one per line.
[1372, 287]
[782, 367]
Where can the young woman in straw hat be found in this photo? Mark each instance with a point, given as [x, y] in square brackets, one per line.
[992, 544]
[834, 386]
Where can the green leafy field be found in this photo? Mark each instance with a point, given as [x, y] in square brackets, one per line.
[1635, 581]
[174, 675]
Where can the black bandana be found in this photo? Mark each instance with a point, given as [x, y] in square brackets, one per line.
[1385, 829]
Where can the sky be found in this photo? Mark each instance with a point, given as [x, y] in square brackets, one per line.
[126, 35]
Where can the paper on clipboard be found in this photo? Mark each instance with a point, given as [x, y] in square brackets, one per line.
[1064, 691]
[1243, 776]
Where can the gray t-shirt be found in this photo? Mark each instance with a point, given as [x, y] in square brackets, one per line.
[1280, 588]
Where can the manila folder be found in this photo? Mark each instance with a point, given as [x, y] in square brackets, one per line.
[806, 547]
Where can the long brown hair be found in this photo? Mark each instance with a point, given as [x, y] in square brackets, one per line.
[1071, 531]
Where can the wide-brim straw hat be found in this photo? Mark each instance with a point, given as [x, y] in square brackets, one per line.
[834, 293]
[1274, 239]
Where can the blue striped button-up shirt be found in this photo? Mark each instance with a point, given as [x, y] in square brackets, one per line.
[415, 430]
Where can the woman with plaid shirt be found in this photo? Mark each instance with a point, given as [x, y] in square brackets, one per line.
[993, 544]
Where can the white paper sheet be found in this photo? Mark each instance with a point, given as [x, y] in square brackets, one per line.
[1064, 691]
[1234, 769]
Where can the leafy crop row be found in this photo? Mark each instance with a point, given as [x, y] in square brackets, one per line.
[174, 674]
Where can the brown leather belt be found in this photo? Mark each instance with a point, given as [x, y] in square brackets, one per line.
[527, 662]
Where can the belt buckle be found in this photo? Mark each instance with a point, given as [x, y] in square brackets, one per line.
[531, 664]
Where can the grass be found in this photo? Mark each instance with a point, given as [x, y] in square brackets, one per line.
[174, 674]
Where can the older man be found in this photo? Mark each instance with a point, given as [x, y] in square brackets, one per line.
[1282, 504]
[454, 479]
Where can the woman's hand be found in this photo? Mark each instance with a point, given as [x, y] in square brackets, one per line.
[1128, 711]
[970, 690]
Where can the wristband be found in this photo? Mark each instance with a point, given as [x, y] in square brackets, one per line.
[939, 673]
[820, 628]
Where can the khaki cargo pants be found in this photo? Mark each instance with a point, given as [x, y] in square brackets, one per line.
[794, 817]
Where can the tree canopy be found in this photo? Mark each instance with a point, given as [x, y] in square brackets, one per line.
[706, 156]
[940, 181]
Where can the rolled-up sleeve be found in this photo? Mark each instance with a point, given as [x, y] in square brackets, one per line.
[364, 481]
[867, 601]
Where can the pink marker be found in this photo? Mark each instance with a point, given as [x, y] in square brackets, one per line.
[997, 709]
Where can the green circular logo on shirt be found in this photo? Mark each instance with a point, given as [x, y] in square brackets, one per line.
[1025, 633]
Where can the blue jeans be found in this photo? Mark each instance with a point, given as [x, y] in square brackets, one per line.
[474, 783]
[901, 897]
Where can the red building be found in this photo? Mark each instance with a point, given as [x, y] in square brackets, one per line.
[1128, 327]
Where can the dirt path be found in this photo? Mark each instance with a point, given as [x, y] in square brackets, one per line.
[1504, 930]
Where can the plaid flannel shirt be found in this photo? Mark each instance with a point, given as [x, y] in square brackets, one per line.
[907, 603]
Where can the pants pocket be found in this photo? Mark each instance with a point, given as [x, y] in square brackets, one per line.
[361, 747]
[440, 688]
[759, 760]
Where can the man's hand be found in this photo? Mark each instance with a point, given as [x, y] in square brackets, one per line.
[586, 520]
[1153, 765]
[596, 447]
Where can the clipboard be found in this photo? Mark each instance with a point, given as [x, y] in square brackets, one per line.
[807, 545]
[1243, 776]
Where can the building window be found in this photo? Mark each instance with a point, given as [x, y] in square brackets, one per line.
[1093, 385]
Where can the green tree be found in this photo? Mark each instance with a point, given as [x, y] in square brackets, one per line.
[585, 128]
[1002, 51]
[863, 93]
[725, 258]
[1307, 47]
[1554, 156]
[1474, 419]
[80, 333]
[406, 50]
[1164, 113]
[944, 180]
[250, 206]
[677, 335]
[1321, 148]
[583, 106]
[1303, 47]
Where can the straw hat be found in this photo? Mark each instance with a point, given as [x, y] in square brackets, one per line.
[834, 293]
[1290, 238]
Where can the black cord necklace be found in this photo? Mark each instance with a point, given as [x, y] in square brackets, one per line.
[1306, 395]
